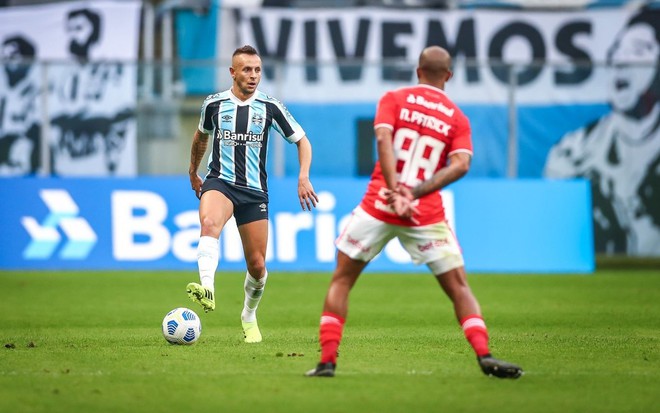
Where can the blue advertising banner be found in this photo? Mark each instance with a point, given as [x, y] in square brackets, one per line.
[152, 223]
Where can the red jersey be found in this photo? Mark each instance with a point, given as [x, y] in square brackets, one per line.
[426, 127]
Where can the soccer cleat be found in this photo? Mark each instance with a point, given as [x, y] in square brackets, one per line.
[322, 370]
[201, 295]
[251, 332]
[498, 368]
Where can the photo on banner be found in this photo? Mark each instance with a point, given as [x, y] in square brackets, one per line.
[619, 152]
[85, 51]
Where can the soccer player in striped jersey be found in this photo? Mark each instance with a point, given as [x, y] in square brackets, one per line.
[241, 121]
[424, 144]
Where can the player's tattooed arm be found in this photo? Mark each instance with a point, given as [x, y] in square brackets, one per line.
[197, 151]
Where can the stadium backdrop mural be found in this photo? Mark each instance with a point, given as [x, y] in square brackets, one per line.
[89, 92]
[590, 111]
[585, 86]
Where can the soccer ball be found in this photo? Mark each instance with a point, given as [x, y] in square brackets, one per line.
[182, 326]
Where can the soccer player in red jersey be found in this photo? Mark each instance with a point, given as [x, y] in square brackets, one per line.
[424, 144]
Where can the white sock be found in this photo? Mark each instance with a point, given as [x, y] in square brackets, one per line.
[208, 252]
[254, 289]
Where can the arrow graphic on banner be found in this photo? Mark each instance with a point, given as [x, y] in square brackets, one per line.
[45, 236]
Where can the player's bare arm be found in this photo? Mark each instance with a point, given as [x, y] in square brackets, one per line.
[402, 206]
[306, 194]
[459, 165]
[386, 156]
[197, 151]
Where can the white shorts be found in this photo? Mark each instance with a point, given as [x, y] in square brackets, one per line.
[434, 245]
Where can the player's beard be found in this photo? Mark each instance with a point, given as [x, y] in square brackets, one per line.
[245, 89]
[14, 76]
[79, 50]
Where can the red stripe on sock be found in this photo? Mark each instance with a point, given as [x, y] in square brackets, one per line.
[476, 333]
[330, 332]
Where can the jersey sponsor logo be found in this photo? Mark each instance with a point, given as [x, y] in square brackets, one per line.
[419, 100]
[45, 237]
[426, 121]
[229, 138]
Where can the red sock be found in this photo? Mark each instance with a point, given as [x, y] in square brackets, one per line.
[330, 332]
[476, 333]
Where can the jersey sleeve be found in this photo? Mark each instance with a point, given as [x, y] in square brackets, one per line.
[386, 112]
[285, 124]
[462, 141]
[205, 120]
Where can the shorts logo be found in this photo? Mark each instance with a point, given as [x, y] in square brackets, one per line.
[45, 236]
[263, 207]
[433, 244]
[357, 244]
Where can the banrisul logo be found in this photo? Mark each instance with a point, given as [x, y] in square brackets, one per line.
[79, 236]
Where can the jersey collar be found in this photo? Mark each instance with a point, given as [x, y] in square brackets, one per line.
[437, 89]
[239, 102]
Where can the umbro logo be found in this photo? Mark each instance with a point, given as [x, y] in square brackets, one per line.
[227, 118]
[63, 215]
[263, 207]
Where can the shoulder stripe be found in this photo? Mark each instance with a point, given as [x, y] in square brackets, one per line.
[469, 152]
[384, 125]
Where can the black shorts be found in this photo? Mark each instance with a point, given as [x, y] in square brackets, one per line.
[249, 205]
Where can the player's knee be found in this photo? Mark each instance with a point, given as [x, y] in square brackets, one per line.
[209, 226]
[446, 264]
[256, 265]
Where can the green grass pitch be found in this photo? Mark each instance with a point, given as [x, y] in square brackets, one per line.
[91, 342]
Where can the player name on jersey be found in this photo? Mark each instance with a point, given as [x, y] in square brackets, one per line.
[427, 121]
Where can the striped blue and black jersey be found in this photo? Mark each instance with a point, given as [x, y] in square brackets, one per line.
[240, 132]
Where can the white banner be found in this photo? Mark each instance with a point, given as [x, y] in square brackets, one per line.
[329, 36]
[83, 55]
[586, 91]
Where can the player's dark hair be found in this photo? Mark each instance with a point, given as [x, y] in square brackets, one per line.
[93, 17]
[650, 17]
[645, 16]
[25, 48]
[247, 49]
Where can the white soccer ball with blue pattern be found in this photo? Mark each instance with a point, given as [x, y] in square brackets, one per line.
[182, 326]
